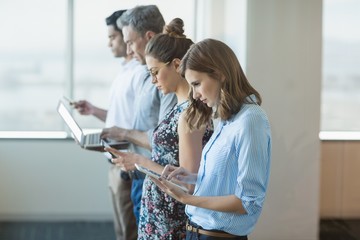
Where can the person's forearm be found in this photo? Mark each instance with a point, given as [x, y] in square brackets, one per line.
[228, 203]
[145, 162]
[138, 138]
[100, 113]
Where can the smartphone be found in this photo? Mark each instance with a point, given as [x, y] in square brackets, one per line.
[156, 175]
[71, 102]
[106, 145]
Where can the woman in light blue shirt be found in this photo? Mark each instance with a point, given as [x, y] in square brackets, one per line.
[232, 180]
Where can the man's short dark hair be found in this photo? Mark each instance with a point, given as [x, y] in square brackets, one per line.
[111, 20]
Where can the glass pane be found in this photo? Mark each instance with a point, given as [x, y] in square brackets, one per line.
[32, 63]
[341, 71]
[95, 67]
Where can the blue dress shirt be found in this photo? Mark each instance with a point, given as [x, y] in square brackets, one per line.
[150, 108]
[235, 161]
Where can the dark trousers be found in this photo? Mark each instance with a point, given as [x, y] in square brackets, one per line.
[136, 192]
[196, 236]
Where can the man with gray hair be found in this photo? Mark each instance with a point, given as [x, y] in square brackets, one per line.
[139, 25]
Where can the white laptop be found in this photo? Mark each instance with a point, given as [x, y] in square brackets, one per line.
[90, 141]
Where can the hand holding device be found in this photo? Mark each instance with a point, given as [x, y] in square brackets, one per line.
[106, 145]
[156, 176]
[179, 173]
[71, 102]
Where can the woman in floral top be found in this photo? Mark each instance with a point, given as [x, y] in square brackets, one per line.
[161, 216]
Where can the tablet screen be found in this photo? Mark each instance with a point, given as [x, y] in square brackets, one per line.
[156, 175]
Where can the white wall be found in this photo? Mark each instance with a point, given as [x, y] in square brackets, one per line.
[284, 63]
[52, 180]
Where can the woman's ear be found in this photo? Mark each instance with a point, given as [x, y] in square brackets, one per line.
[222, 79]
[176, 63]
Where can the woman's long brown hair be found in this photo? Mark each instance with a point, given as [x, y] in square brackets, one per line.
[216, 59]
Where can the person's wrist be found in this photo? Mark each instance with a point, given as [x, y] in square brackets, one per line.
[126, 134]
[140, 160]
[93, 111]
[185, 198]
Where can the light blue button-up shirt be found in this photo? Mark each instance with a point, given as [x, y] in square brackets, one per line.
[235, 161]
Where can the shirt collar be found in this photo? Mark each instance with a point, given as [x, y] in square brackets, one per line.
[250, 98]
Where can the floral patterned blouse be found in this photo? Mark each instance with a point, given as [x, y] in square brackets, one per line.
[161, 216]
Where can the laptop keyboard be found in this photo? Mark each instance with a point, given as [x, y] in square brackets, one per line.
[92, 139]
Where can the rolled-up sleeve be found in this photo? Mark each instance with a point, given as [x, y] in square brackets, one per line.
[253, 164]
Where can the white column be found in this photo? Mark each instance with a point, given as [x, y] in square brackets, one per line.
[284, 64]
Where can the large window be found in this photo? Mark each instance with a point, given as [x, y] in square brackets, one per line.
[94, 65]
[341, 71]
[34, 57]
[32, 63]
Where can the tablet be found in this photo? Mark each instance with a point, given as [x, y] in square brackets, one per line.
[106, 145]
[156, 175]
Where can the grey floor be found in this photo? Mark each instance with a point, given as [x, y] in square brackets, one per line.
[56, 231]
[331, 229]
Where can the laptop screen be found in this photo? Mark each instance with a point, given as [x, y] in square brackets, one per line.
[69, 120]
